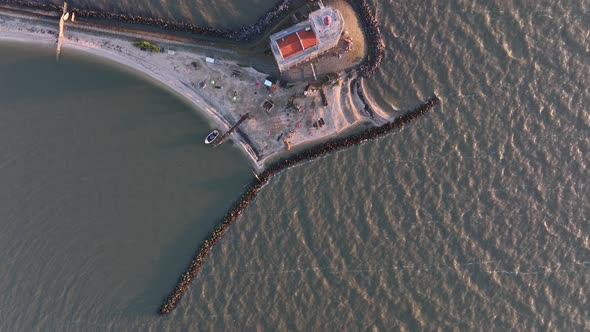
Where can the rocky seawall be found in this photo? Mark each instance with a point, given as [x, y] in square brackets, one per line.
[34, 5]
[245, 33]
[254, 187]
[375, 44]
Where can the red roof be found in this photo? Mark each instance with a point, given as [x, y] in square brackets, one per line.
[296, 42]
[289, 45]
[307, 38]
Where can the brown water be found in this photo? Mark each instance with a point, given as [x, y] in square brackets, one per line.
[226, 14]
[473, 218]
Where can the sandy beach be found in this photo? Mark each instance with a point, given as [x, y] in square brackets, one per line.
[164, 70]
[183, 70]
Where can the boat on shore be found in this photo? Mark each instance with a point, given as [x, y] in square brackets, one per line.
[212, 136]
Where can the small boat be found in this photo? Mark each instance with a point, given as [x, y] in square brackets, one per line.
[212, 136]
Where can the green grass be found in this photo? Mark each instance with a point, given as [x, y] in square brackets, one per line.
[146, 45]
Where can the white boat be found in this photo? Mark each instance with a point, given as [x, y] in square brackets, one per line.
[212, 136]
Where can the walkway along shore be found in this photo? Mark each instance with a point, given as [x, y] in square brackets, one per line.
[247, 33]
[254, 187]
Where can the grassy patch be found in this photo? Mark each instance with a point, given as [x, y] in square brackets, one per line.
[146, 46]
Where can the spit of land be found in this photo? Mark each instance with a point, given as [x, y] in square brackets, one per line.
[222, 82]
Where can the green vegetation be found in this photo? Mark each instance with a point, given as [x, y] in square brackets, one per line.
[146, 46]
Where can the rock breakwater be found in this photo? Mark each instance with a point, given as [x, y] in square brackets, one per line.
[254, 187]
[34, 5]
[245, 33]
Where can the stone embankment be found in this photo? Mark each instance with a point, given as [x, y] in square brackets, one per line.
[254, 187]
[33, 5]
[245, 33]
[376, 47]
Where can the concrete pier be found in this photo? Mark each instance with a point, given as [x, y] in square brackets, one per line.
[60, 35]
[231, 130]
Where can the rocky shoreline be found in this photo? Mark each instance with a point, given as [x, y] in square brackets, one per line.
[376, 46]
[254, 187]
[245, 33]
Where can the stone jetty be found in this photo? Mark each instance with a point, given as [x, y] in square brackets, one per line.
[254, 187]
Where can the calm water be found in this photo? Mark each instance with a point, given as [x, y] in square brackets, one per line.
[226, 14]
[475, 217]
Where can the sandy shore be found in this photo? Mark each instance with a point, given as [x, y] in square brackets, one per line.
[185, 69]
[165, 69]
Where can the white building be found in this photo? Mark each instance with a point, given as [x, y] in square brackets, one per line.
[306, 40]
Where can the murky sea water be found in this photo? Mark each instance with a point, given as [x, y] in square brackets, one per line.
[474, 218]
